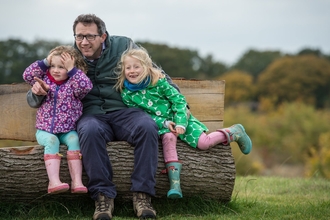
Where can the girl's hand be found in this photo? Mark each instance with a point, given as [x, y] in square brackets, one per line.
[49, 58]
[68, 61]
[174, 130]
[171, 126]
[39, 87]
[180, 130]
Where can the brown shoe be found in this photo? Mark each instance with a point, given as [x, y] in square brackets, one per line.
[142, 206]
[103, 208]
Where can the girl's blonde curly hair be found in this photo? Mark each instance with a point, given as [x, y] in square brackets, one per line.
[78, 59]
[149, 70]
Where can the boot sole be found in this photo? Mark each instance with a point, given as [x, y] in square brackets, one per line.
[58, 189]
[247, 150]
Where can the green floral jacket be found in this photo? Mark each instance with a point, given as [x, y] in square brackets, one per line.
[164, 103]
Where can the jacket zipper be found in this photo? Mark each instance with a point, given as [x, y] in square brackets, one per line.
[54, 109]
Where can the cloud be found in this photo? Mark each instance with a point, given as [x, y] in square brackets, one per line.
[224, 29]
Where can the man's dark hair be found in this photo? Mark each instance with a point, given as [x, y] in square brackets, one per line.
[90, 19]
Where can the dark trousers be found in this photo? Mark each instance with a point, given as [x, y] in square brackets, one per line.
[131, 125]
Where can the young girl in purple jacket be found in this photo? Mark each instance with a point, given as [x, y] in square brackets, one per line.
[64, 73]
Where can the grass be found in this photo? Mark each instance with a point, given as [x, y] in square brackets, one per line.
[253, 198]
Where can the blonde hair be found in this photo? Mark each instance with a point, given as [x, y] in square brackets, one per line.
[78, 59]
[142, 55]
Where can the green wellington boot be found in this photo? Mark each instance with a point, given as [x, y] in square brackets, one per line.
[173, 172]
[236, 133]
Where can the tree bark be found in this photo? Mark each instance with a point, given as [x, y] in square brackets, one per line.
[210, 174]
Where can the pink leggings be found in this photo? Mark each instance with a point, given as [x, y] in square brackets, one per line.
[205, 142]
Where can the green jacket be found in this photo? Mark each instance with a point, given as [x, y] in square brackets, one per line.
[164, 103]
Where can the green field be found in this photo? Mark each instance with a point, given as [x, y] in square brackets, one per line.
[253, 198]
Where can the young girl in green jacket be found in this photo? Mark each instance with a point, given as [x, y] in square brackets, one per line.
[143, 85]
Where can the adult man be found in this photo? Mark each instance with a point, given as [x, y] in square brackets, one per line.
[106, 118]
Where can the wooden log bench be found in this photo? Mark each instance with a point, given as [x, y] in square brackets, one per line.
[23, 176]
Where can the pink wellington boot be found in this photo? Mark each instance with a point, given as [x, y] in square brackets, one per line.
[52, 163]
[75, 167]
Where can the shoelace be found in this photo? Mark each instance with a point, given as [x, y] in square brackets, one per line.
[144, 203]
[103, 205]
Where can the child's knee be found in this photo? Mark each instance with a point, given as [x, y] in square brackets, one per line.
[72, 141]
[169, 139]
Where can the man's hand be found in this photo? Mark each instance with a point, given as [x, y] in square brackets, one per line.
[39, 87]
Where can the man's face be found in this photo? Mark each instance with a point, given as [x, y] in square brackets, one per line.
[91, 49]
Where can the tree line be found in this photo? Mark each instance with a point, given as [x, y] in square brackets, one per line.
[268, 78]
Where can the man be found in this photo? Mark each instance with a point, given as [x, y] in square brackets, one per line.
[106, 118]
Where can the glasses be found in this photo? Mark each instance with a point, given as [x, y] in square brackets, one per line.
[89, 37]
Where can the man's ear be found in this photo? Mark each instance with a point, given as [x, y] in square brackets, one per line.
[103, 36]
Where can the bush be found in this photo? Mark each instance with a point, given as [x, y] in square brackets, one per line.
[283, 135]
[318, 164]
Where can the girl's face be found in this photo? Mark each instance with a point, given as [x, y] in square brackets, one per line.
[57, 69]
[132, 69]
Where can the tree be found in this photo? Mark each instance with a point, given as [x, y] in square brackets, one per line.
[12, 60]
[212, 69]
[254, 62]
[16, 55]
[315, 52]
[175, 62]
[239, 86]
[308, 51]
[303, 78]
[183, 63]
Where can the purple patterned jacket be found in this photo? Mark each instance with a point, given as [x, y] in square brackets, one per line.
[62, 106]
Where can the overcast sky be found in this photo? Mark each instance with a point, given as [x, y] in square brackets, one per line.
[223, 28]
